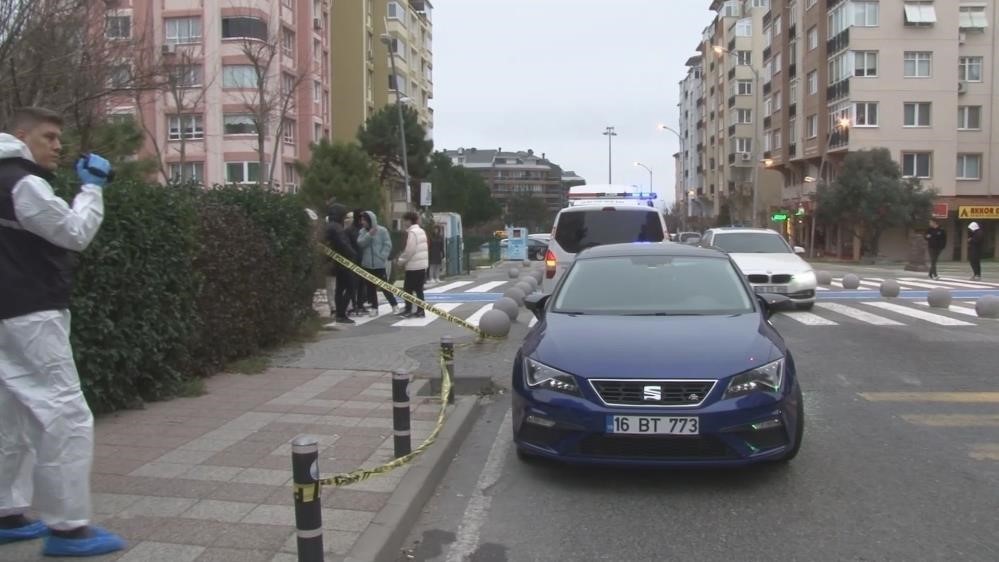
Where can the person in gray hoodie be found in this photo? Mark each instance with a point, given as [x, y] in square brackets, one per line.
[376, 246]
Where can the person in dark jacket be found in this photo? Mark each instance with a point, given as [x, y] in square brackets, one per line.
[976, 239]
[336, 237]
[435, 248]
[353, 229]
[936, 240]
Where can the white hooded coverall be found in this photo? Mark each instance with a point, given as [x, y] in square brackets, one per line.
[46, 427]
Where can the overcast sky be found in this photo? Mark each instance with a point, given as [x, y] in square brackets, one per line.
[550, 75]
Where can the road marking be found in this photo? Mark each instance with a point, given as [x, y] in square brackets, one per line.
[448, 287]
[953, 420]
[950, 283]
[919, 314]
[985, 452]
[969, 282]
[382, 311]
[486, 287]
[809, 319]
[822, 288]
[858, 314]
[430, 317]
[955, 397]
[467, 540]
[966, 310]
[478, 314]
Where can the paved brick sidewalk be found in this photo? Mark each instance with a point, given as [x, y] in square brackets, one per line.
[209, 478]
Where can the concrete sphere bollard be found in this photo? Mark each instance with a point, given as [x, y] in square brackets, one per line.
[495, 323]
[513, 272]
[851, 281]
[987, 307]
[524, 286]
[508, 306]
[890, 288]
[530, 280]
[516, 295]
[939, 297]
[539, 276]
[823, 277]
[525, 263]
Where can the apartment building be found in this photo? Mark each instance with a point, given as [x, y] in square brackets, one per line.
[523, 172]
[213, 74]
[721, 148]
[362, 67]
[915, 77]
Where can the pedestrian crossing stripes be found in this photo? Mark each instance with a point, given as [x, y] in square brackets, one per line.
[912, 283]
[937, 319]
[857, 314]
[838, 313]
[486, 287]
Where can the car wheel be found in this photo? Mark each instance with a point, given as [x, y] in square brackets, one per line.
[799, 434]
[804, 306]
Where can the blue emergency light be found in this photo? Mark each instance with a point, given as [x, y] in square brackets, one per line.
[605, 194]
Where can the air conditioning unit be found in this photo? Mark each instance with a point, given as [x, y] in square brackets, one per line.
[317, 23]
[962, 37]
[962, 87]
[169, 49]
[745, 156]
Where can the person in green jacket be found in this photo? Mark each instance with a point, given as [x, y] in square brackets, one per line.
[376, 246]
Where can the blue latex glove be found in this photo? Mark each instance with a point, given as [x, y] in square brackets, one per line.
[94, 170]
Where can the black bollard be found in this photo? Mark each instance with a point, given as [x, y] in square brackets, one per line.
[400, 414]
[447, 352]
[308, 508]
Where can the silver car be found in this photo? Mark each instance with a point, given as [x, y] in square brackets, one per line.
[769, 263]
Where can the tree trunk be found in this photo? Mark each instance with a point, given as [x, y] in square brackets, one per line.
[917, 253]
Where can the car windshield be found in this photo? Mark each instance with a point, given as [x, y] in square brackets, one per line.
[652, 285]
[579, 230]
[751, 243]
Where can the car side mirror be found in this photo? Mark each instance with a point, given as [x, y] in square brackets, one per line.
[771, 303]
[799, 250]
[535, 302]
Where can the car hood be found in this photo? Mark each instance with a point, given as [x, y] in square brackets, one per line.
[654, 346]
[770, 263]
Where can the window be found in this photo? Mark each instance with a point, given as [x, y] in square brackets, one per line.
[778, 140]
[865, 114]
[288, 42]
[400, 80]
[186, 75]
[917, 114]
[396, 11]
[813, 82]
[916, 164]
[813, 38]
[744, 28]
[186, 172]
[810, 4]
[970, 69]
[865, 63]
[240, 27]
[973, 17]
[969, 117]
[120, 75]
[920, 14]
[744, 58]
[242, 172]
[731, 9]
[793, 91]
[742, 144]
[777, 63]
[778, 101]
[239, 124]
[188, 127]
[239, 76]
[837, 19]
[290, 178]
[118, 27]
[588, 227]
[812, 126]
[761, 3]
[841, 67]
[792, 12]
[397, 47]
[918, 64]
[744, 87]
[792, 129]
[317, 132]
[743, 116]
[768, 107]
[768, 36]
[865, 13]
[778, 22]
[969, 166]
[182, 30]
[768, 142]
[792, 52]
[287, 84]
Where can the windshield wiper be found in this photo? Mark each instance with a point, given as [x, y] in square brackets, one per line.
[666, 314]
[571, 313]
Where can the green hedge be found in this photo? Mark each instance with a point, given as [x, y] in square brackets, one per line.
[181, 280]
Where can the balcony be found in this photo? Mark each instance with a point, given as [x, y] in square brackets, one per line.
[838, 43]
[767, 87]
[792, 150]
[766, 122]
[792, 110]
[767, 52]
[838, 90]
[731, 73]
[792, 70]
[767, 17]
[792, 31]
[700, 102]
[711, 116]
[839, 138]
[700, 123]
[731, 46]
[731, 130]
[767, 154]
[731, 101]
[731, 158]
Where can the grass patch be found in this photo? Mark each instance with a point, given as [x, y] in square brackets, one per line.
[192, 388]
[249, 366]
[309, 330]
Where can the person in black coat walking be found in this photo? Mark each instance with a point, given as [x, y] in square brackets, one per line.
[976, 239]
[936, 240]
[336, 237]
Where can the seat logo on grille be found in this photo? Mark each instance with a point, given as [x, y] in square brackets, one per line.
[692, 397]
[652, 393]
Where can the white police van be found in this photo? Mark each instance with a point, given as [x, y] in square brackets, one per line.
[597, 215]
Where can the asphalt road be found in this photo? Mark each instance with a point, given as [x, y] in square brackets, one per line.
[900, 462]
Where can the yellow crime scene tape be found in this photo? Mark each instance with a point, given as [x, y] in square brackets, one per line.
[381, 284]
[309, 492]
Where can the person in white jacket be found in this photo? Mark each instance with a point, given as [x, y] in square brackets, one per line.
[46, 427]
[414, 259]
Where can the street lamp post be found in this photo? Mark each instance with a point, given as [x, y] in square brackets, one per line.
[687, 196]
[610, 134]
[387, 40]
[757, 112]
[648, 169]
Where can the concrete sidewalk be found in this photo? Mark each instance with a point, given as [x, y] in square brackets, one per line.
[209, 478]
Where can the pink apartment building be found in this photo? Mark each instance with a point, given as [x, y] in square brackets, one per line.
[221, 70]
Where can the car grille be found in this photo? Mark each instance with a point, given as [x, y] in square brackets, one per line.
[654, 447]
[541, 436]
[773, 279]
[652, 392]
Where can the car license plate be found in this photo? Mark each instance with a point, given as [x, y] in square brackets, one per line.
[653, 425]
[779, 289]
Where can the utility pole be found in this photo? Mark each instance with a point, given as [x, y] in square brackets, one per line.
[610, 134]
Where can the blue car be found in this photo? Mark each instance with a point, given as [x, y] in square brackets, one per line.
[656, 355]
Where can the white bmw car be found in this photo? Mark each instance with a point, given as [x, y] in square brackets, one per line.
[769, 263]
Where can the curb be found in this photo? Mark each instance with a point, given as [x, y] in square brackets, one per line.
[384, 537]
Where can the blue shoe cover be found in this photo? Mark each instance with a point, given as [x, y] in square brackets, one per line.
[30, 531]
[100, 542]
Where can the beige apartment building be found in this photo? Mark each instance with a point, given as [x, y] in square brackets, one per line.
[510, 173]
[915, 77]
[202, 102]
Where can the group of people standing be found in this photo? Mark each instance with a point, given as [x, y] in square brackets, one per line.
[936, 241]
[358, 237]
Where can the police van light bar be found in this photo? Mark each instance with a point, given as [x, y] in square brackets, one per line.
[609, 195]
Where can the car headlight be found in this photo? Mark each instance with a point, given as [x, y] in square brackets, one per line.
[766, 378]
[539, 375]
[807, 278]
